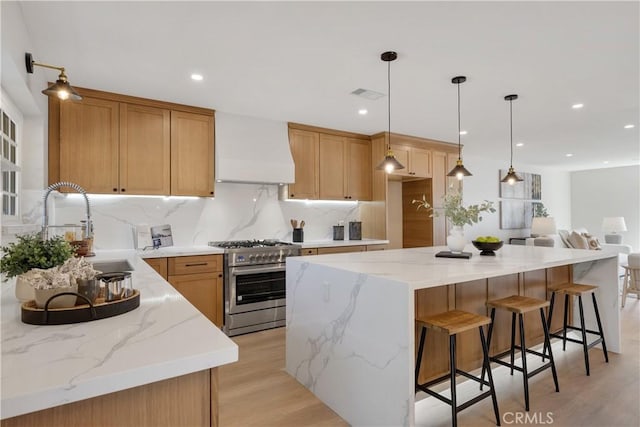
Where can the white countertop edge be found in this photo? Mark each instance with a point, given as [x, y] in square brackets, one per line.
[20, 405]
[172, 251]
[340, 243]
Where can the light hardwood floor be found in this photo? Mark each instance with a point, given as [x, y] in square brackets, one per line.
[256, 391]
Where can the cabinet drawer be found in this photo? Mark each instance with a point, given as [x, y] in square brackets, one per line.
[376, 247]
[309, 251]
[341, 249]
[195, 264]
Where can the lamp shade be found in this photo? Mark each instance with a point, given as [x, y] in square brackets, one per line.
[543, 226]
[613, 224]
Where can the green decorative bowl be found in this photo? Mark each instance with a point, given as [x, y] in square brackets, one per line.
[488, 248]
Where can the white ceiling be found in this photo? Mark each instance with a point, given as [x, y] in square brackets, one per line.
[299, 61]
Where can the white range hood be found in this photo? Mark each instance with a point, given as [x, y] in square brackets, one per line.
[252, 150]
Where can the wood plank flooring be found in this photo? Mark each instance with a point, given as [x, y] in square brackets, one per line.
[256, 391]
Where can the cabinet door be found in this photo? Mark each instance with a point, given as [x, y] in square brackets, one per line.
[332, 167]
[89, 144]
[159, 265]
[401, 153]
[420, 163]
[204, 291]
[192, 154]
[145, 144]
[341, 249]
[305, 147]
[359, 172]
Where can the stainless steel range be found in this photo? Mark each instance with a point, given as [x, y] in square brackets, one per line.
[254, 284]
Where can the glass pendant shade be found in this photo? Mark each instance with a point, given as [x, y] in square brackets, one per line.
[459, 171]
[62, 90]
[390, 163]
[511, 177]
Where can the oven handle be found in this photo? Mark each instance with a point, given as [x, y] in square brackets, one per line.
[242, 271]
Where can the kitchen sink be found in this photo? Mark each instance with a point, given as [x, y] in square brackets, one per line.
[113, 266]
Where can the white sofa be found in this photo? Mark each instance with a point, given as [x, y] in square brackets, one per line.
[621, 249]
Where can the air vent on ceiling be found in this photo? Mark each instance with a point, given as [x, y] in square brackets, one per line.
[367, 94]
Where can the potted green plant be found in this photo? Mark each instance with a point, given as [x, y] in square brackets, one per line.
[31, 252]
[458, 215]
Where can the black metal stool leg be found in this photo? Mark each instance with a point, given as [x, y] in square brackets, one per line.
[549, 317]
[452, 361]
[493, 317]
[583, 329]
[513, 339]
[487, 366]
[523, 350]
[604, 345]
[564, 324]
[423, 334]
[547, 341]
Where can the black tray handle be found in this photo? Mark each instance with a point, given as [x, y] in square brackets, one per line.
[51, 298]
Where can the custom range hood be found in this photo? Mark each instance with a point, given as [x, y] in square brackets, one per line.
[252, 150]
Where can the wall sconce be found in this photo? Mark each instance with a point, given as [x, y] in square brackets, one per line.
[61, 88]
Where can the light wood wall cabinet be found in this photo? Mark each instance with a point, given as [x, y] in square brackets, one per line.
[305, 146]
[118, 144]
[345, 168]
[416, 161]
[330, 164]
[199, 279]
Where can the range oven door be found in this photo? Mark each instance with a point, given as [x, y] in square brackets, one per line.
[256, 287]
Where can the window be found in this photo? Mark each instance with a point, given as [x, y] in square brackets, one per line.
[9, 155]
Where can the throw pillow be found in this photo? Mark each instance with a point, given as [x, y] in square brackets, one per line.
[564, 236]
[592, 241]
[578, 241]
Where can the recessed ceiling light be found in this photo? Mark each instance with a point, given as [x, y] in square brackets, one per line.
[363, 111]
[197, 77]
[569, 155]
[577, 106]
[519, 144]
[606, 162]
[463, 132]
[629, 126]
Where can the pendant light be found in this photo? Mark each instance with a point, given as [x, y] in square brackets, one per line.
[390, 163]
[61, 88]
[511, 177]
[459, 171]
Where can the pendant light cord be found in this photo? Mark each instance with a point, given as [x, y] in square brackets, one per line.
[389, 101]
[459, 147]
[511, 130]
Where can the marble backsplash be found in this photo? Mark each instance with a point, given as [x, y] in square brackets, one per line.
[239, 211]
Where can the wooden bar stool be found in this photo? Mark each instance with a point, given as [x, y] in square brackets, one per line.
[577, 290]
[520, 305]
[631, 277]
[452, 323]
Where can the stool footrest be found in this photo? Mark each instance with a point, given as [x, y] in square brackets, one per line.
[575, 328]
[465, 405]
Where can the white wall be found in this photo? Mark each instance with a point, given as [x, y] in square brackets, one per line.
[600, 193]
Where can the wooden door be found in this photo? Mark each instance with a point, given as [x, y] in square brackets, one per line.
[333, 166]
[359, 173]
[204, 291]
[192, 154]
[145, 143]
[417, 225]
[305, 146]
[401, 153]
[89, 144]
[420, 163]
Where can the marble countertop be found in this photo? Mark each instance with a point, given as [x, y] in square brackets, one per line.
[166, 337]
[338, 243]
[419, 268]
[171, 251]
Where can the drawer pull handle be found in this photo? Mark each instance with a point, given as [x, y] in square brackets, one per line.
[196, 264]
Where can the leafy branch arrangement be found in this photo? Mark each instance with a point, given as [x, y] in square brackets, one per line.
[454, 211]
[32, 252]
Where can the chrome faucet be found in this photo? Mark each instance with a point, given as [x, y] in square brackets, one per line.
[45, 219]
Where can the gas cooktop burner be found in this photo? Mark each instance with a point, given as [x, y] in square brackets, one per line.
[234, 244]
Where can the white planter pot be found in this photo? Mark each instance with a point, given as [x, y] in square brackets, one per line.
[24, 291]
[455, 239]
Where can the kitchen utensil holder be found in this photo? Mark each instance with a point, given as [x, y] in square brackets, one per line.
[298, 235]
[338, 232]
[78, 314]
[355, 230]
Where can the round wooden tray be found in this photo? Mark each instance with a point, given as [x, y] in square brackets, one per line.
[102, 309]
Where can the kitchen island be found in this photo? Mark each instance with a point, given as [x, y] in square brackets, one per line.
[155, 365]
[351, 330]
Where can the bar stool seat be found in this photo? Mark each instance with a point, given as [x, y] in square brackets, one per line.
[519, 305]
[575, 289]
[452, 323]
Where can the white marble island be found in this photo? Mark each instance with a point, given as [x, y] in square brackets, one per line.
[161, 342]
[351, 317]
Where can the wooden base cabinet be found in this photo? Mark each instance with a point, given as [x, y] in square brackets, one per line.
[188, 400]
